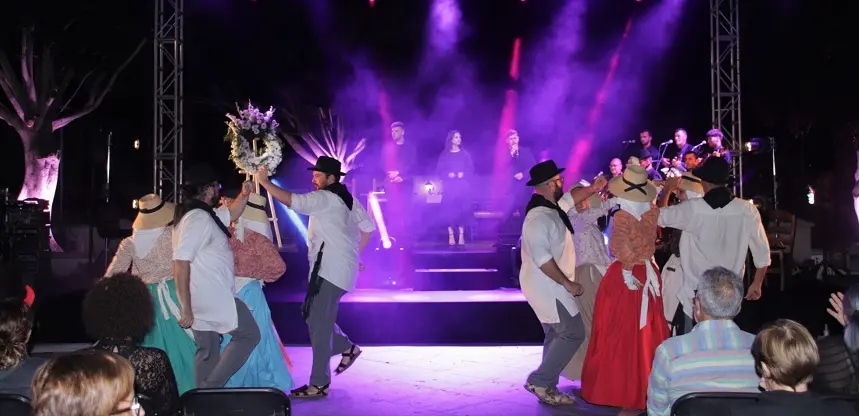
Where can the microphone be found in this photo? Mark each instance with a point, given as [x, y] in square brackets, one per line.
[666, 142]
[629, 141]
[700, 144]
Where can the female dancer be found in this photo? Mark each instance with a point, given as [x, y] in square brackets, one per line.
[456, 167]
[628, 313]
[149, 255]
[258, 261]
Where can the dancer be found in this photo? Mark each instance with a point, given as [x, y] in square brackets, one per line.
[257, 262]
[678, 288]
[592, 259]
[546, 277]
[456, 167]
[149, 255]
[340, 228]
[628, 314]
[203, 267]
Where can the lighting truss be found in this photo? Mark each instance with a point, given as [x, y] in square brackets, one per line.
[725, 79]
[168, 98]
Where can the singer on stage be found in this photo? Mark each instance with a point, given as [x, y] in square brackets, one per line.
[672, 156]
[712, 147]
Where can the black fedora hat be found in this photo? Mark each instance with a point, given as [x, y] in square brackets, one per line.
[199, 174]
[644, 154]
[714, 170]
[328, 165]
[542, 172]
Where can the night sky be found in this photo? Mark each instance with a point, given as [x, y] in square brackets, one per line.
[797, 60]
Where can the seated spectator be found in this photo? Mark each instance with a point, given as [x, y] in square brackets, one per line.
[16, 368]
[785, 359]
[118, 312]
[714, 356]
[85, 383]
[839, 355]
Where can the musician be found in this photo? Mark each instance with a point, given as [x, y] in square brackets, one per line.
[713, 147]
[645, 160]
[691, 160]
[674, 152]
[647, 144]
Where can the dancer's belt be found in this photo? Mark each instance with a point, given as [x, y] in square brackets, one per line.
[315, 284]
[167, 305]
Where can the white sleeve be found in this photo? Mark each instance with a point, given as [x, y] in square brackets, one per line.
[310, 203]
[359, 214]
[759, 244]
[535, 236]
[191, 233]
[223, 214]
[677, 216]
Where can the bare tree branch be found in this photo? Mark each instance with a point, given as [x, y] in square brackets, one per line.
[9, 117]
[11, 87]
[98, 96]
[27, 63]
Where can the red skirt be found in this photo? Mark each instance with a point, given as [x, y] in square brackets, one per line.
[620, 354]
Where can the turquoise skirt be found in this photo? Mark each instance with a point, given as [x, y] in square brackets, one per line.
[267, 366]
[168, 336]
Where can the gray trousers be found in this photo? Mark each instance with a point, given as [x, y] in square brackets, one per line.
[562, 341]
[326, 338]
[212, 369]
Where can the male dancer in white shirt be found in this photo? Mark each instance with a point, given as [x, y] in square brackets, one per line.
[548, 264]
[203, 268]
[338, 230]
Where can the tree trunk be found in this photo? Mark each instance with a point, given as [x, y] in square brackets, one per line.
[40, 179]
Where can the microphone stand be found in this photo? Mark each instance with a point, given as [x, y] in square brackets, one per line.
[775, 178]
[107, 195]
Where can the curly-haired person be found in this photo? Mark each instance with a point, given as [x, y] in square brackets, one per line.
[16, 368]
[118, 312]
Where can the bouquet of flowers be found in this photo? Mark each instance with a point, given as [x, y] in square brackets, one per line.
[252, 124]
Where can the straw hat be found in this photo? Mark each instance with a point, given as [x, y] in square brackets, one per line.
[633, 185]
[255, 209]
[691, 182]
[152, 212]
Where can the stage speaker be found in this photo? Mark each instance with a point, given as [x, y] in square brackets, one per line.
[26, 242]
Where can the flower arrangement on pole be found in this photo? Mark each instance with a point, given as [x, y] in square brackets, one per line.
[246, 132]
[253, 138]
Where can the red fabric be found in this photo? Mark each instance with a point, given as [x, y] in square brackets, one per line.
[620, 355]
[30, 297]
[257, 257]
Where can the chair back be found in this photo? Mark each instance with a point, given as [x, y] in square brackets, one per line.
[14, 405]
[147, 404]
[710, 404]
[235, 401]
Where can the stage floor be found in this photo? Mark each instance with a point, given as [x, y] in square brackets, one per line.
[431, 380]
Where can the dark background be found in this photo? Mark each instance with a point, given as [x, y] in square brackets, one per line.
[797, 58]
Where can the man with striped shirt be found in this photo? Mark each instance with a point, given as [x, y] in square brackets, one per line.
[714, 357]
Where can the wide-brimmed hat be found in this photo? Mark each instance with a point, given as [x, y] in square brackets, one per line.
[542, 172]
[255, 209]
[633, 185]
[199, 174]
[714, 170]
[152, 212]
[690, 182]
[328, 165]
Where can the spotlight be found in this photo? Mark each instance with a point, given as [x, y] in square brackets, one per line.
[428, 186]
[810, 195]
[136, 144]
[134, 204]
[758, 145]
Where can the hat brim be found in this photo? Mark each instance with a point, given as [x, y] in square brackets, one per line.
[537, 181]
[705, 176]
[618, 188]
[689, 185]
[157, 219]
[325, 171]
[255, 214]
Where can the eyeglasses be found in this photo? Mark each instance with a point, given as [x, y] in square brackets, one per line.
[134, 408]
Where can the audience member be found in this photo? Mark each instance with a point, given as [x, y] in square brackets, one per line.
[785, 359]
[118, 312]
[839, 355]
[714, 356]
[16, 368]
[85, 383]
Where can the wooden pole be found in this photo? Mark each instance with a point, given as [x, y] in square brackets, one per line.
[273, 218]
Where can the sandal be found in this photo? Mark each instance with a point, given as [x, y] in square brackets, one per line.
[310, 392]
[351, 356]
[550, 396]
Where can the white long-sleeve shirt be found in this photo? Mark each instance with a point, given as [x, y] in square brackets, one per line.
[717, 237]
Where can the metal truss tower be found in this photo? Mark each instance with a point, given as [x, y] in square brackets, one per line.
[725, 79]
[168, 121]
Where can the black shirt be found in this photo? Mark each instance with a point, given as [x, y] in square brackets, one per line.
[706, 151]
[153, 375]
